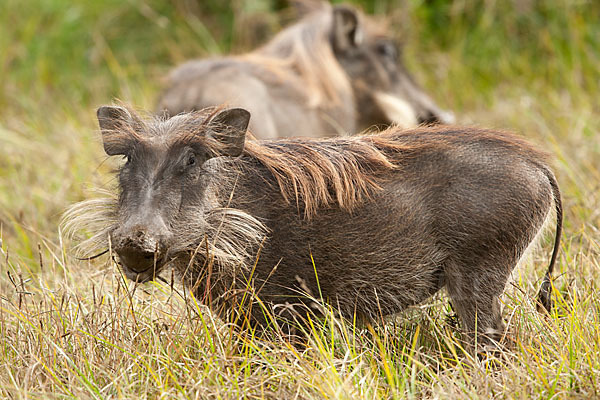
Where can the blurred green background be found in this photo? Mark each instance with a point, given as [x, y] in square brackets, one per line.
[82, 51]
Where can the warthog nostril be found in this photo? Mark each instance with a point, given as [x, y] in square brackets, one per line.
[137, 260]
[436, 117]
[429, 119]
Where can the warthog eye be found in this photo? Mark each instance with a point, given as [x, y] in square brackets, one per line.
[191, 161]
[387, 49]
[187, 162]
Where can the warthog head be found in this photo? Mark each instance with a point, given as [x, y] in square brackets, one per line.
[383, 87]
[163, 199]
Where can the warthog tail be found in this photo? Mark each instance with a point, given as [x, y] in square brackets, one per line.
[545, 294]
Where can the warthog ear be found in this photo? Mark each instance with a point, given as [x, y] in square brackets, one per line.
[229, 128]
[346, 31]
[113, 121]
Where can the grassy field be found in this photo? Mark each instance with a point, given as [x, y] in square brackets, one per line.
[76, 329]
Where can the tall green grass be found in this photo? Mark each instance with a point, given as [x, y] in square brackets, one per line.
[73, 329]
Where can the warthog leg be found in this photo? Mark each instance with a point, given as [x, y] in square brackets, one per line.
[476, 298]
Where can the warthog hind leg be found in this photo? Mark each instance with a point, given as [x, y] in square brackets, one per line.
[476, 299]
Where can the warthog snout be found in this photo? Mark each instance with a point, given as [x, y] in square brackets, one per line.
[141, 250]
[436, 117]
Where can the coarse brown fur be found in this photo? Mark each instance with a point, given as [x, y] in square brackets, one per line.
[333, 72]
[372, 223]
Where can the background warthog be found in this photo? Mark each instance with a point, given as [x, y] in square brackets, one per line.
[388, 219]
[333, 72]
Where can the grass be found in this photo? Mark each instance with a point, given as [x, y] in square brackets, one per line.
[73, 329]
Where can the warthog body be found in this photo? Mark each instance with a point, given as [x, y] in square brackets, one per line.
[388, 219]
[333, 72]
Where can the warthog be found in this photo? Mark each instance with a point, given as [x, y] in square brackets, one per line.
[333, 72]
[372, 224]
